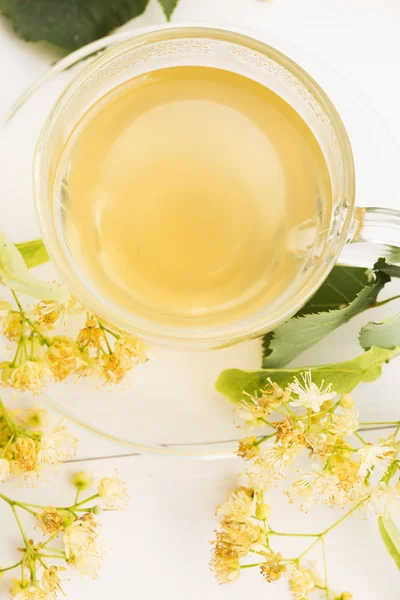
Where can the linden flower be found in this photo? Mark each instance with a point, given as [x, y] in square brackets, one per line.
[113, 492]
[12, 326]
[4, 469]
[91, 336]
[274, 460]
[256, 407]
[49, 313]
[321, 485]
[239, 505]
[49, 520]
[378, 456]
[273, 568]
[239, 538]
[80, 535]
[345, 423]
[26, 455]
[225, 567]
[288, 434]
[57, 446]
[309, 394]
[247, 448]
[29, 375]
[34, 593]
[51, 580]
[301, 581]
[383, 500]
[88, 563]
[129, 351]
[63, 357]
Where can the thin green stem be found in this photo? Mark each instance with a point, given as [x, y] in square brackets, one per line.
[289, 410]
[325, 568]
[49, 555]
[26, 541]
[10, 441]
[264, 439]
[350, 512]
[78, 491]
[358, 436]
[383, 302]
[16, 355]
[307, 550]
[9, 422]
[280, 534]
[115, 335]
[105, 337]
[74, 506]
[23, 561]
[368, 423]
[250, 566]
[12, 567]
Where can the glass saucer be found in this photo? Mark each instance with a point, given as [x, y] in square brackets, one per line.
[169, 405]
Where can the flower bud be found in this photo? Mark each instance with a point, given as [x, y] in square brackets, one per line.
[263, 511]
[82, 480]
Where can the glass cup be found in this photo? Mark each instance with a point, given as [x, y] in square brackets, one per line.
[362, 234]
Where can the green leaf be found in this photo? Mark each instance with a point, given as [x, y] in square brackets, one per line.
[384, 267]
[168, 7]
[69, 23]
[34, 253]
[345, 293]
[15, 275]
[384, 335]
[391, 538]
[344, 376]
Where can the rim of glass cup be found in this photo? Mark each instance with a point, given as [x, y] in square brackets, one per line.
[159, 333]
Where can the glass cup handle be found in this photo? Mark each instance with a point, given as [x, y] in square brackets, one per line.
[374, 233]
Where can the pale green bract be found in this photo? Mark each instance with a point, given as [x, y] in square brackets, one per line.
[33, 252]
[344, 376]
[15, 275]
[384, 335]
[391, 537]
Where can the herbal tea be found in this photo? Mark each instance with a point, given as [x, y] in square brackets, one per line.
[192, 196]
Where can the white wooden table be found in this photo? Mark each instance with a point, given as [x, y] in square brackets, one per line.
[159, 547]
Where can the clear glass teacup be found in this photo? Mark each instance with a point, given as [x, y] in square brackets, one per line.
[351, 230]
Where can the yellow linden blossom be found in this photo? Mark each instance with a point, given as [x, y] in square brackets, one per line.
[289, 434]
[226, 567]
[87, 563]
[51, 581]
[248, 448]
[254, 407]
[301, 581]
[12, 326]
[57, 446]
[344, 596]
[49, 520]
[129, 351]
[113, 492]
[26, 454]
[376, 456]
[239, 538]
[238, 506]
[63, 357]
[29, 375]
[34, 593]
[48, 312]
[91, 336]
[273, 568]
[80, 535]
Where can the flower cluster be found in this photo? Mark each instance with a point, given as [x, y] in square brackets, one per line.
[25, 448]
[41, 354]
[345, 471]
[71, 539]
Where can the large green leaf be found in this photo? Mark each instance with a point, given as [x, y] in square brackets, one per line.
[344, 376]
[345, 293]
[69, 23]
[168, 7]
[15, 275]
[391, 537]
[384, 335]
[33, 252]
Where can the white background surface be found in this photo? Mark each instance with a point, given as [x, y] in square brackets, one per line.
[159, 548]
